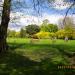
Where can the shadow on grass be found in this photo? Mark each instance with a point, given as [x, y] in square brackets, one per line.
[66, 53]
[16, 64]
[62, 48]
[25, 45]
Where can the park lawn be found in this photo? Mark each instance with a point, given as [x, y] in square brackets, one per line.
[41, 57]
[59, 44]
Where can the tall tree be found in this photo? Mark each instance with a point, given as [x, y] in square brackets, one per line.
[44, 25]
[4, 24]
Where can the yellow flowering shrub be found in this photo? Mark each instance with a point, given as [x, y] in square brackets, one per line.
[42, 35]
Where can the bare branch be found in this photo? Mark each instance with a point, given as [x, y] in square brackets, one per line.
[67, 12]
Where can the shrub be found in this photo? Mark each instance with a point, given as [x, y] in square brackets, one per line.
[34, 36]
[17, 34]
[60, 34]
[52, 35]
[43, 35]
[73, 36]
[68, 34]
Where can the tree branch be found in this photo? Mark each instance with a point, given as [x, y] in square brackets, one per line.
[67, 12]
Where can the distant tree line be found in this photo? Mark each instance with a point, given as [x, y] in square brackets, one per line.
[47, 30]
[31, 30]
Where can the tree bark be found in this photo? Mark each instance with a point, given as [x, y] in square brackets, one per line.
[4, 25]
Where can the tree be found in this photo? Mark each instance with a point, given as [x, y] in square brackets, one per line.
[32, 29]
[22, 33]
[46, 27]
[69, 27]
[60, 23]
[4, 25]
[46, 21]
[52, 28]
[69, 24]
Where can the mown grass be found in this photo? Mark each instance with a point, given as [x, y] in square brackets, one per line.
[38, 58]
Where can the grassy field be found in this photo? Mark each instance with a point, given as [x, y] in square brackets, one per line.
[40, 57]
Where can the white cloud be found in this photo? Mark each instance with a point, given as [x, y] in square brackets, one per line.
[61, 5]
[24, 20]
[52, 18]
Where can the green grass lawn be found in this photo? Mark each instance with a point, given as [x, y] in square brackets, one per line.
[41, 57]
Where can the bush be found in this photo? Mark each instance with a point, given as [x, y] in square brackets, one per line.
[43, 35]
[34, 36]
[73, 36]
[60, 34]
[11, 33]
[68, 34]
[52, 35]
[17, 34]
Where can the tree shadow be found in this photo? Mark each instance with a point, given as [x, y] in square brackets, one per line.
[16, 64]
[13, 63]
[64, 49]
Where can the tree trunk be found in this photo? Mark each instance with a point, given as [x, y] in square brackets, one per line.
[4, 25]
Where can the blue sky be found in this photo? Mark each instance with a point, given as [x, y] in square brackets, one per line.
[26, 14]
[44, 7]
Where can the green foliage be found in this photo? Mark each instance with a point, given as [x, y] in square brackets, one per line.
[68, 27]
[69, 31]
[69, 34]
[11, 33]
[43, 28]
[32, 29]
[46, 27]
[43, 35]
[23, 33]
[52, 28]
[60, 34]
[52, 35]
[17, 34]
[73, 35]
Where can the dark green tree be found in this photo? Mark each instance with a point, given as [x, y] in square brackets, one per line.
[32, 29]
